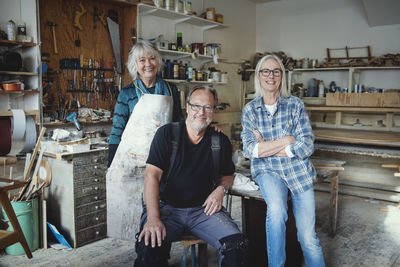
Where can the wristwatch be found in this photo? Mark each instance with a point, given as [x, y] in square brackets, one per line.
[225, 190]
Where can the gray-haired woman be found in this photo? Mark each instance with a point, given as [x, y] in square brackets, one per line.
[144, 65]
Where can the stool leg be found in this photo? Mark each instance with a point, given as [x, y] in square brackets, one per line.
[5, 202]
[219, 259]
[185, 252]
[193, 248]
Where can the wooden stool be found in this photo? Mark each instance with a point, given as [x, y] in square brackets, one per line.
[8, 238]
[330, 169]
[190, 241]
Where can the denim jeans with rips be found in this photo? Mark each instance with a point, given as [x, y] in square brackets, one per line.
[275, 193]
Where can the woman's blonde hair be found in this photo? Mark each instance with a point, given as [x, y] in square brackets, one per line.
[284, 91]
[140, 49]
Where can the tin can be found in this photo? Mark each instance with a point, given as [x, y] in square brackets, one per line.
[210, 13]
[224, 77]
[170, 4]
[188, 8]
[179, 6]
[11, 33]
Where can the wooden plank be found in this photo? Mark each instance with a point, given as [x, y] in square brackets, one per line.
[8, 160]
[390, 99]
[353, 109]
[358, 137]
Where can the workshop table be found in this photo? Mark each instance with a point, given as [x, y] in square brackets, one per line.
[254, 213]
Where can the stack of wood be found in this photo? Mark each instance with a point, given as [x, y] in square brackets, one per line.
[34, 186]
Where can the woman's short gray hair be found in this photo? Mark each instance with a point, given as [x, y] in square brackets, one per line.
[206, 88]
[257, 84]
[140, 49]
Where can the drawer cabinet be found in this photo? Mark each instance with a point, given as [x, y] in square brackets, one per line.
[76, 197]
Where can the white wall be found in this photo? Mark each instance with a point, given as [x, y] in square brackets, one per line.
[305, 28]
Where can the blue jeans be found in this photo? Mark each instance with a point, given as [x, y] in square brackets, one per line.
[275, 193]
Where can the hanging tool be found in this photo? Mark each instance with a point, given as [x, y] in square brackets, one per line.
[78, 15]
[95, 17]
[53, 25]
[113, 29]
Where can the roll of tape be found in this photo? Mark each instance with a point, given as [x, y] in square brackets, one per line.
[18, 128]
[18, 124]
[5, 136]
[30, 135]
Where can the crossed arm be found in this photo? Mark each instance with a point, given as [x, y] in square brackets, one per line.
[272, 148]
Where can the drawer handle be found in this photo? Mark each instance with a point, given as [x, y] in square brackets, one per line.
[96, 198]
[96, 188]
[97, 232]
[96, 207]
[95, 166]
[97, 218]
[96, 180]
[96, 160]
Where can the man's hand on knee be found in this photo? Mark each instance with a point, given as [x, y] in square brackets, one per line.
[154, 231]
[213, 203]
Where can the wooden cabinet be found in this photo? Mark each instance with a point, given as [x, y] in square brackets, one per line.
[77, 196]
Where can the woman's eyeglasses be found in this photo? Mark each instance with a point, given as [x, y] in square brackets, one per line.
[267, 72]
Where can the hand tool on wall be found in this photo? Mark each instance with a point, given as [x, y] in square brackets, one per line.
[113, 29]
[95, 17]
[53, 25]
[78, 15]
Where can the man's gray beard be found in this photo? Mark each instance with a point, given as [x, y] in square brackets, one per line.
[199, 127]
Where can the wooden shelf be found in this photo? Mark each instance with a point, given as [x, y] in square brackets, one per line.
[144, 9]
[20, 92]
[24, 73]
[14, 43]
[353, 109]
[8, 113]
[347, 68]
[391, 139]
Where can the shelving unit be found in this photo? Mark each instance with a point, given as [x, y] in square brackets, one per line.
[350, 71]
[29, 98]
[192, 27]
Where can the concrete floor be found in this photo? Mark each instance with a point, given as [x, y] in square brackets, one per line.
[368, 234]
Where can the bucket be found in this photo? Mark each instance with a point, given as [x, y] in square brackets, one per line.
[27, 213]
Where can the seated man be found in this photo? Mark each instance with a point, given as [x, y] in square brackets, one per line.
[183, 196]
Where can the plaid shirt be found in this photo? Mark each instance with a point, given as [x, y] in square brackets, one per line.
[290, 118]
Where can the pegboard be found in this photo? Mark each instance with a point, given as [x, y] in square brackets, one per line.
[92, 41]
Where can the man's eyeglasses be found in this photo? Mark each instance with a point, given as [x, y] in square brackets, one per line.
[197, 108]
[267, 72]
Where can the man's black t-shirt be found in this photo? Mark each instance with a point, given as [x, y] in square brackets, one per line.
[191, 178]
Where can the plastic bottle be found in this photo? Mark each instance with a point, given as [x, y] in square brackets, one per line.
[189, 72]
[176, 69]
[182, 71]
[179, 45]
[321, 89]
[170, 73]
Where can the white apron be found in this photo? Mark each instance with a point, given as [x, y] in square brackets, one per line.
[125, 176]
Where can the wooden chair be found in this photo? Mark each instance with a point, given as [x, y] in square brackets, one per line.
[8, 238]
[190, 241]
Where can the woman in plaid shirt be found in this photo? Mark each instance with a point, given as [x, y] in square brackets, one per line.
[278, 138]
